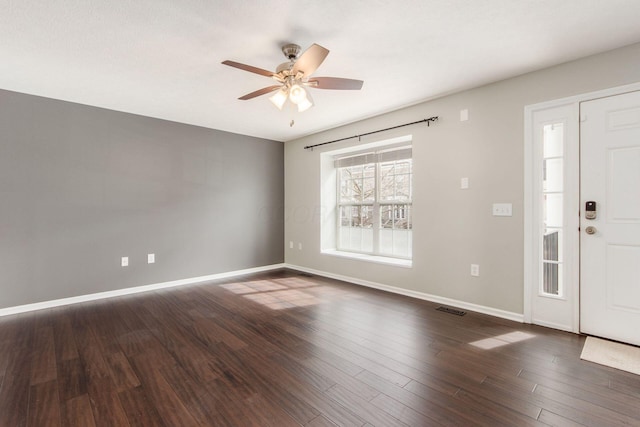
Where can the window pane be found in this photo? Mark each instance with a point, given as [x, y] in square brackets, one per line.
[369, 183]
[553, 210]
[346, 186]
[345, 216]
[357, 183]
[403, 189]
[552, 245]
[552, 278]
[552, 175]
[386, 216]
[401, 217]
[387, 184]
[552, 139]
[395, 237]
[367, 216]
[395, 181]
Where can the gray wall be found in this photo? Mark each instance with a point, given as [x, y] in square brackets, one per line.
[453, 228]
[80, 187]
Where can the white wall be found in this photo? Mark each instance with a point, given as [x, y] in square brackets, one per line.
[453, 228]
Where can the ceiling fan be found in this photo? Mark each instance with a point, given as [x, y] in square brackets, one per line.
[295, 75]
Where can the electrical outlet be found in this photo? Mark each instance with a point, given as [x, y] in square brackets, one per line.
[299, 246]
[475, 270]
[151, 258]
[291, 244]
[124, 261]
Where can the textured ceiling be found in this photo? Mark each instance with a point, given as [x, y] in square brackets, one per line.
[161, 58]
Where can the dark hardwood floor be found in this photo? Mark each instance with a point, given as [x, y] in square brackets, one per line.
[284, 349]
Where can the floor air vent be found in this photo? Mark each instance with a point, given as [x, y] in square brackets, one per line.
[451, 311]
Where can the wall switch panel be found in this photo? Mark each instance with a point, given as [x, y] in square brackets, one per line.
[124, 261]
[475, 270]
[502, 209]
[291, 244]
[464, 183]
[151, 258]
[464, 115]
[300, 246]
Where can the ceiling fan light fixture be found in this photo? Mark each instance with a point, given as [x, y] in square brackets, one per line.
[280, 97]
[295, 76]
[297, 94]
[305, 104]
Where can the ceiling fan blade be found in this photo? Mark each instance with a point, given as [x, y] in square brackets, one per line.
[249, 68]
[336, 83]
[259, 92]
[310, 60]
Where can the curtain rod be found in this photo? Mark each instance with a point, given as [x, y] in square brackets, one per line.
[429, 120]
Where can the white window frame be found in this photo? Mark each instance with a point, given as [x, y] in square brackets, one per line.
[330, 211]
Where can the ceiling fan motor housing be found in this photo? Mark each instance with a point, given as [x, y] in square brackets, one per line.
[284, 66]
[291, 51]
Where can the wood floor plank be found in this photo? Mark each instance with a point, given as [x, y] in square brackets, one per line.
[44, 405]
[105, 404]
[555, 420]
[63, 337]
[283, 349]
[164, 398]
[121, 373]
[267, 414]
[597, 412]
[364, 409]
[77, 412]
[243, 368]
[43, 368]
[320, 422]
[337, 376]
[72, 379]
[14, 394]
[403, 412]
[439, 410]
[496, 408]
[140, 411]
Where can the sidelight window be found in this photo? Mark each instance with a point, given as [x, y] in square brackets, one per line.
[552, 206]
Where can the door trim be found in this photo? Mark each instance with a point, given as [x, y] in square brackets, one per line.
[532, 205]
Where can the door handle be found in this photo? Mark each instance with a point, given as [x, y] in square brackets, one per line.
[590, 230]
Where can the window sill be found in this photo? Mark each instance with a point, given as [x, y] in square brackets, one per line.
[377, 259]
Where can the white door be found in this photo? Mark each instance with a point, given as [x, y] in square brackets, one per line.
[610, 257]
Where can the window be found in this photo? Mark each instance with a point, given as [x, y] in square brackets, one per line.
[552, 206]
[374, 200]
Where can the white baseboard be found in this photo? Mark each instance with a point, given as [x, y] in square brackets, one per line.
[415, 294]
[138, 289]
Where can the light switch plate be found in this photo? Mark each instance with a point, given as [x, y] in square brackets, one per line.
[124, 261]
[464, 183]
[502, 209]
[464, 115]
[151, 258]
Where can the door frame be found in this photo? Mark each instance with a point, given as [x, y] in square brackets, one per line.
[570, 107]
